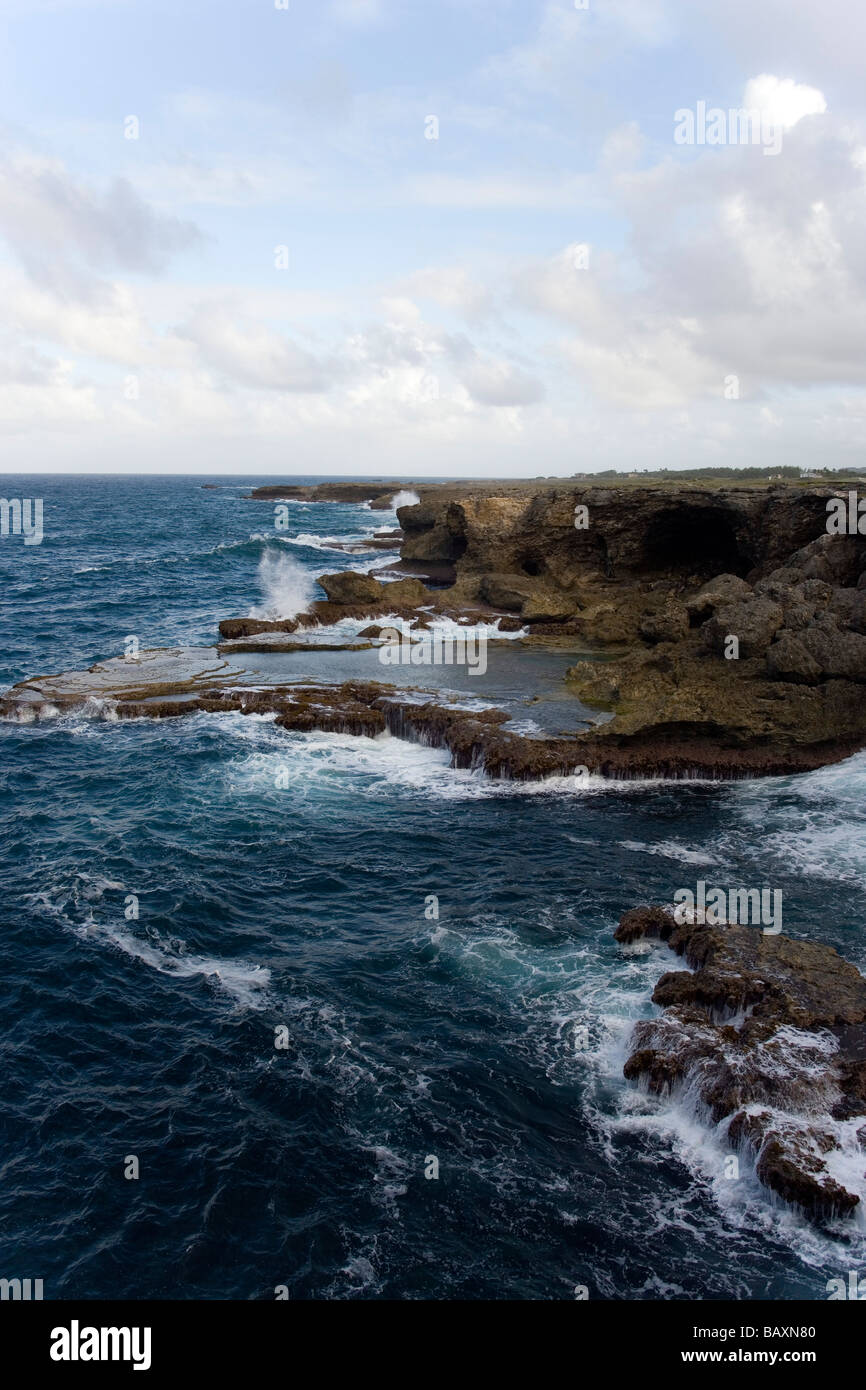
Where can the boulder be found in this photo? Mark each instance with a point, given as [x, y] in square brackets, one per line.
[433, 546]
[349, 587]
[788, 660]
[509, 591]
[231, 628]
[754, 621]
[732, 1070]
[834, 559]
[608, 622]
[724, 589]
[798, 616]
[848, 607]
[839, 653]
[546, 605]
[404, 592]
[667, 624]
[777, 584]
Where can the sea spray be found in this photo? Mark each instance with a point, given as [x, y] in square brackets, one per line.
[287, 587]
[404, 499]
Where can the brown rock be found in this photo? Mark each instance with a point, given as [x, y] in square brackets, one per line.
[404, 593]
[722, 591]
[755, 622]
[349, 587]
[248, 627]
[735, 1034]
[788, 660]
[667, 624]
[506, 591]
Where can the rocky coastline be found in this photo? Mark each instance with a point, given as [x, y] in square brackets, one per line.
[766, 1037]
[736, 624]
[720, 632]
[729, 626]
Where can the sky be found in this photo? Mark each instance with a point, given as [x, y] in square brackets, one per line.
[480, 238]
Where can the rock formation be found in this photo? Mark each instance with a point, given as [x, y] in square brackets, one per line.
[767, 1035]
[729, 626]
[672, 575]
[379, 495]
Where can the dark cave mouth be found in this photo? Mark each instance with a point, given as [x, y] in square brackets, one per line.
[695, 540]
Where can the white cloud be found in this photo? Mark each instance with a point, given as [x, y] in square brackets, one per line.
[453, 288]
[782, 101]
[623, 147]
[251, 353]
[62, 229]
[497, 383]
[370, 354]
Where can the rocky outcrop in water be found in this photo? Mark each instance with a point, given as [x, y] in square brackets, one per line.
[347, 587]
[379, 495]
[172, 683]
[767, 1035]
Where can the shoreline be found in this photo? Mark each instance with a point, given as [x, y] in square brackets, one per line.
[654, 591]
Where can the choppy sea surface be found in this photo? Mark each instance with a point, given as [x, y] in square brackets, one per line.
[486, 1043]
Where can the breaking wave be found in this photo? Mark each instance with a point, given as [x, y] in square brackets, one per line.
[287, 588]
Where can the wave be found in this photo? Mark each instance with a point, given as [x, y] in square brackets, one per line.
[669, 849]
[813, 825]
[244, 981]
[288, 588]
[365, 766]
[676, 1131]
[404, 498]
[446, 627]
[313, 541]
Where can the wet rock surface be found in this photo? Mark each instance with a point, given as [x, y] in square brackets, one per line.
[767, 1036]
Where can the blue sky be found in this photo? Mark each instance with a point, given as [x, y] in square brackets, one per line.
[552, 284]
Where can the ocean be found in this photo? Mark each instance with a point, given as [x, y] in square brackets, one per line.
[447, 1118]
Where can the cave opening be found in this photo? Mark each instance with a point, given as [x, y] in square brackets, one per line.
[456, 546]
[695, 540]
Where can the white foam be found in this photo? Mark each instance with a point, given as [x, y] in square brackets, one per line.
[819, 831]
[337, 544]
[245, 982]
[404, 498]
[680, 1132]
[669, 849]
[489, 631]
[287, 587]
[320, 758]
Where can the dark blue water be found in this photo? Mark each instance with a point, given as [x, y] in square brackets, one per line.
[410, 1037]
